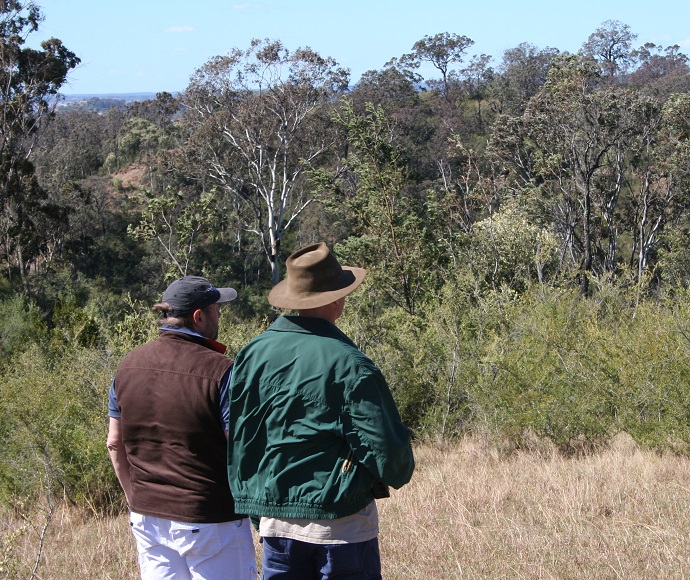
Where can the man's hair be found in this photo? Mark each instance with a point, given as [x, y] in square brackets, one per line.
[164, 309]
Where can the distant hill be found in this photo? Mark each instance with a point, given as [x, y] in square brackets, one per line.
[103, 102]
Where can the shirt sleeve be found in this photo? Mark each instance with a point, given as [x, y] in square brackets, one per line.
[225, 399]
[113, 410]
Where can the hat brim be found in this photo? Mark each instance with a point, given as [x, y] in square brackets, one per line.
[281, 296]
[226, 295]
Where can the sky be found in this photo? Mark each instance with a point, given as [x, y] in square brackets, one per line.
[150, 46]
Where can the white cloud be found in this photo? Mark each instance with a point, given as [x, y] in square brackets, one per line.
[244, 7]
[181, 29]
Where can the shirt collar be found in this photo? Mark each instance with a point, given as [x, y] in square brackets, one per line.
[181, 329]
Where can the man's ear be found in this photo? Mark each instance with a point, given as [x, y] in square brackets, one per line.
[197, 316]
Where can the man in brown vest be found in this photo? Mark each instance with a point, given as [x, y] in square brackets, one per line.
[167, 441]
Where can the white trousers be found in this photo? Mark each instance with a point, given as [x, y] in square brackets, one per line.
[170, 550]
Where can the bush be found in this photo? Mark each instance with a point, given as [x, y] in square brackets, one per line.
[53, 422]
[577, 371]
[22, 324]
[506, 250]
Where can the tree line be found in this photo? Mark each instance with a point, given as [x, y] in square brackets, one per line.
[524, 220]
[269, 147]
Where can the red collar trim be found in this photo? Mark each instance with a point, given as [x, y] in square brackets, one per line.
[217, 346]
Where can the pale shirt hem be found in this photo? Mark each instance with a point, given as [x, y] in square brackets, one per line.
[360, 527]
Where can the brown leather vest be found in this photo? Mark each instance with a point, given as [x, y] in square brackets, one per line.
[168, 395]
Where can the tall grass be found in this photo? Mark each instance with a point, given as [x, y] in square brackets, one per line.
[469, 512]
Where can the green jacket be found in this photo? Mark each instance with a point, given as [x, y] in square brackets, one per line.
[314, 429]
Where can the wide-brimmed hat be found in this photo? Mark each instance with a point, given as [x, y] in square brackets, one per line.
[190, 293]
[314, 278]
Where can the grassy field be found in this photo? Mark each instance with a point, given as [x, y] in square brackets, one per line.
[468, 513]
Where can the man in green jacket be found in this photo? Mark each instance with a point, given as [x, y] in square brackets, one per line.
[315, 434]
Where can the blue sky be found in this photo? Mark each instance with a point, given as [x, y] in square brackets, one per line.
[155, 45]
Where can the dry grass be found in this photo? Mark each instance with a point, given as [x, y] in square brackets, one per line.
[467, 513]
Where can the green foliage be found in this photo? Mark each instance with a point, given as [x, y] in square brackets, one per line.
[394, 231]
[505, 249]
[53, 402]
[580, 370]
[674, 258]
[236, 330]
[141, 138]
[52, 420]
[134, 326]
[455, 329]
[176, 224]
[22, 323]
[29, 81]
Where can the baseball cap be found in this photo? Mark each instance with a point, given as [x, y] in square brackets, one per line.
[190, 293]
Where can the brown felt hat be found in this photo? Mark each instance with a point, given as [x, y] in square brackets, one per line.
[314, 278]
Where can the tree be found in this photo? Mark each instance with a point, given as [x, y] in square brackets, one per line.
[441, 50]
[394, 227]
[175, 226]
[252, 117]
[29, 84]
[662, 70]
[610, 45]
[160, 111]
[521, 74]
[140, 140]
[506, 250]
[70, 148]
[476, 78]
[664, 194]
[390, 86]
[572, 150]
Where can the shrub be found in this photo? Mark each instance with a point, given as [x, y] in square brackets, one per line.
[506, 250]
[577, 371]
[53, 423]
[22, 324]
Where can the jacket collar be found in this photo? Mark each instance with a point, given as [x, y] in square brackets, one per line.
[194, 336]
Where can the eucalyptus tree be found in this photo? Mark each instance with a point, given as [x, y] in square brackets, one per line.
[253, 118]
[572, 150]
[413, 115]
[160, 111]
[476, 78]
[661, 71]
[664, 196]
[174, 227]
[611, 46]
[519, 76]
[394, 229]
[29, 83]
[392, 87]
[441, 50]
[71, 148]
